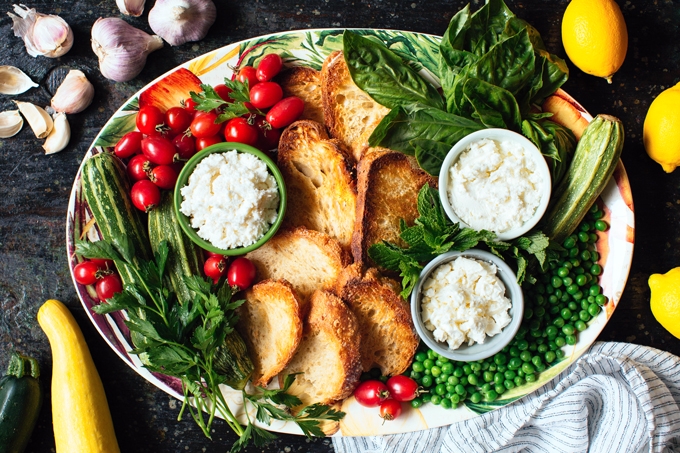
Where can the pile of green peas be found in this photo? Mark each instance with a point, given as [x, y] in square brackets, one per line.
[566, 297]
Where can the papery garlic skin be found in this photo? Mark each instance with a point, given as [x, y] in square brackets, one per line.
[180, 21]
[43, 34]
[131, 7]
[14, 81]
[10, 123]
[74, 94]
[122, 49]
[60, 135]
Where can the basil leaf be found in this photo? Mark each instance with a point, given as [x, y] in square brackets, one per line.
[487, 25]
[384, 76]
[430, 154]
[399, 129]
[492, 105]
[556, 143]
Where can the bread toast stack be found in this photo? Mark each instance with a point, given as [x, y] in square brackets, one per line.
[315, 273]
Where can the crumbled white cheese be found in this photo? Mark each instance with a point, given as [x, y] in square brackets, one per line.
[464, 300]
[231, 199]
[494, 186]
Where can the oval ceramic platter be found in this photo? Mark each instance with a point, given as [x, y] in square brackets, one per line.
[310, 48]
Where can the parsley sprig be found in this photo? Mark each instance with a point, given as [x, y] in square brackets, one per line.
[179, 338]
[208, 100]
[433, 233]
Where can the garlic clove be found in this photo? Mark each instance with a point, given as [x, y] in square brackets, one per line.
[131, 7]
[14, 81]
[39, 120]
[74, 94]
[121, 48]
[11, 123]
[60, 135]
[43, 34]
[180, 21]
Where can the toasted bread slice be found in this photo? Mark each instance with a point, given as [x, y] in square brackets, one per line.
[304, 83]
[320, 180]
[388, 183]
[328, 356]
[350, 113]
[270, 322]
[308, 259]
[388, 338]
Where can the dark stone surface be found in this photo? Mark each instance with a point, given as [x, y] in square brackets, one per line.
[34, 188]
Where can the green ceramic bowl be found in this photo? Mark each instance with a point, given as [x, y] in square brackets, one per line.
[183, 179]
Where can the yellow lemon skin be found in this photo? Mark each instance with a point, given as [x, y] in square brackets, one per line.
[661, 130]
[595, 36]
[665, 300]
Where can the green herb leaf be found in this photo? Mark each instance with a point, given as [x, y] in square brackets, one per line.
[99, 249]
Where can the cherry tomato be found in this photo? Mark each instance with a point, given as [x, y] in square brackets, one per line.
[204, 125]
[150, 120]
[164, 176]
[208, 254]
[239, 130]
[129, 144]
[248, 75]
[102, 264]
[371, 393]
[145, 195]
[85, 273]
[202, 143]
[390, 409]
[402, 388]
[268, 137]
[223, 91]
[285, 112]
[241, 273]
[189, 105]
[139, 167]
[269, 66]
[108, 285]
[215, 267]
[178, 119]
[159, 150]
[185, 146]
[265, 94]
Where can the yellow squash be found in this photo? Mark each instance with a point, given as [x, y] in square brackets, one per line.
[81, 418]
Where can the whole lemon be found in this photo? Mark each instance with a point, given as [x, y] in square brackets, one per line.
[665, 300]
[595, 37]
[661, 130]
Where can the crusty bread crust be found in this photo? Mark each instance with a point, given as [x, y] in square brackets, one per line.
[388, 183]
[388, 337]
[350, 113]
[270, 322]
[328, 356]
[304, 83]
[308, 259]
[320, 177]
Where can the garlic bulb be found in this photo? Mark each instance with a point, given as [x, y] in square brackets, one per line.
[43, 34]
[39, 120]
[60, 135]
[74, 94]
[131, 7]
[122, 49]
[180, 21]
[14, 80]
[10, 123]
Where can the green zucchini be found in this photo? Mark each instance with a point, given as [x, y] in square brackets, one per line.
[107, 191]
[594, 161]
[20, 403]
[184, 256]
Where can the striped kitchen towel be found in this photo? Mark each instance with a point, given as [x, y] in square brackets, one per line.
[617, 397]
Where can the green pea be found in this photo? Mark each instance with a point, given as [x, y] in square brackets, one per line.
[431, 354]
[426, 397]
[460, 389]
[569, 242]
[502, 368]
[553, 299]
[566, 313]
[559, 322]
[542, 348]
[559, 353]
[440, 389]
[519, 381]
[427, 371]
[491, 395]
[439, 380]
[487, 376]
[570, 339]
[525, 356]
[573, 253]
[447, 368]
[530, 378]
[509, 384]
[455, 399]
[436, 371]
[416, 375]
[585, 226]
[557, 282]
[583, 236]
[550, 356]
[446, 403]
[580, 325]
[551, 331]
[453, 380]
[562, 272]
[498, 378]
[528, 368]
[600, 299]
[514, 351]
[472, 379]
[594, 256]
[540, 368]
[568, 329]
[581, 280]
[428, 363]
[539, 312]
[572, 306]
[416, 402]
[500, 388]
[567, 281]
[536, 360]
[592, 238]
[458, 372]
[420, 356]
[584, 315]
[418, 367]
[476, 397]
[593, 310]
[486, 388]
[596, 269]
[509, 375]
[436, 399]
[500, 359]
[560, 342]
[427, 381]
[515, 363]
[467, 369]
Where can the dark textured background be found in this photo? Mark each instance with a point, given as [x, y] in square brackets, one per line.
[34, 188]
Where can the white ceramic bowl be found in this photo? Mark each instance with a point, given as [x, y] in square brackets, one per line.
[491, 345]
[498, 135]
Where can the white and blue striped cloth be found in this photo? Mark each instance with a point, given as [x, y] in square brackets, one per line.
[617, 397]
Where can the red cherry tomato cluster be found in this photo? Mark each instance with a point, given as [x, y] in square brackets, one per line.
[163, 141]
[240, 273]
[98, 272]
[388, 396]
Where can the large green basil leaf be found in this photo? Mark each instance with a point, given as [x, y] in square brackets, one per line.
[492, 105]
[556, 143]
[430, 154]
[384, 76]
[403, 125]
[554, 73]
[486, 27]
